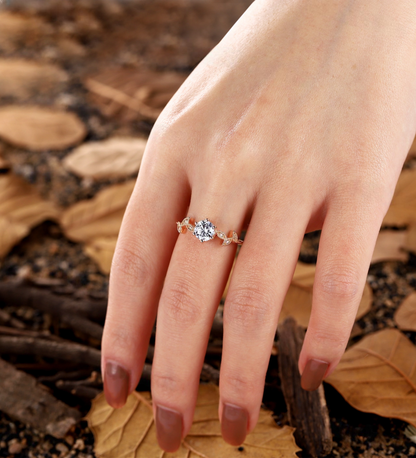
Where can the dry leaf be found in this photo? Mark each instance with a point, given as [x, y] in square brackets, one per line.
[130, 431]
[22, 78]
[100, 216]
[298, 303]
[402, 209]
[405, 315]
[389, 246]
[113, 158]
[101, 250]
[16, 29]
[129, 93]
[21, 208]
[412, 151]
[378, 375]
[304, 274]
[410, 243]
[39, 128]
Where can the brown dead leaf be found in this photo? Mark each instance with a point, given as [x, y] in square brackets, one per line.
[410, 243]
[21, 208]
[402, 209]
[389, 246]
[304, 274]
[17, 30]
[101, 250]
[113, 158]
[405, 315]
[378, 375]
[129, 93]
[298, 303]
[22, 78]
[38, 128]
[98, 217]
[130, 431]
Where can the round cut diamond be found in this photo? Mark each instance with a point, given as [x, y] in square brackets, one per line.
[204, 230]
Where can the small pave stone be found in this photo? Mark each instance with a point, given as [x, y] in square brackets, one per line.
[204, 230]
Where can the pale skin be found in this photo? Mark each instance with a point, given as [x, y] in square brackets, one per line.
[299, 119]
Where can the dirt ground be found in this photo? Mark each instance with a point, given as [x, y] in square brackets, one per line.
[87, 37]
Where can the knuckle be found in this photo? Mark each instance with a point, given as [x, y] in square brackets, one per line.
[240, 384]
[336, 341]
[341, 285]
[248, 306]
[165, 384]
[180, 304]
[131, 266]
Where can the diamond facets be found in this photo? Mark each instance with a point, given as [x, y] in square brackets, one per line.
[204, 230]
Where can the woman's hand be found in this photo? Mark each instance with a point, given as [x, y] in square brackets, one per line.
[299, 119]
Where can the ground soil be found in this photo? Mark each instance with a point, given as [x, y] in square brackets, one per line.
[158, 35]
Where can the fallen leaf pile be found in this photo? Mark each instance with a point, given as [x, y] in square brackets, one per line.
[131, 432]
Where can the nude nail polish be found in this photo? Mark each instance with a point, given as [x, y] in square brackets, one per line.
[234, 424]
[169, 424]
[116, 384]
[313, 374]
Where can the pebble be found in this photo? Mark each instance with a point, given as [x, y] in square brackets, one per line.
[61, 448]
[15, 446]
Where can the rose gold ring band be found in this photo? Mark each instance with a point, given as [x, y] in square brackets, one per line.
[204, 231]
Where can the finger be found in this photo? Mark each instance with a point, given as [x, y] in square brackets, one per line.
[193, 287]
[346, 245]
[259, 283]
[141, 258]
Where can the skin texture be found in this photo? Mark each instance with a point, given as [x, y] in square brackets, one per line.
[299, 119]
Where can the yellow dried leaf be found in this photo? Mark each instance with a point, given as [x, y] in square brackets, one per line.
[21, 208]
[15, 29]
[378, 375]
[97, 217]
[38, 128]
[298, 303]
[22, 78]
[304, 274]
[389, 246]
[402, 209]
[130, 431]
[113, 158]
[405, 315]
[101, 250]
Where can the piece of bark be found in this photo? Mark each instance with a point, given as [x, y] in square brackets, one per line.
[67, 351]
[307, 410]
[22, 294]
[23, 398]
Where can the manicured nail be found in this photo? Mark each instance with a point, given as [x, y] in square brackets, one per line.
[313, 374]
[168, 428]
[234, 424]
[116, 384]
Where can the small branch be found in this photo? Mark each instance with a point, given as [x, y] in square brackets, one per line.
[22, 294]
[60, 350]
[6, 318]
[24, 399]
[307, 410]
[80, 391]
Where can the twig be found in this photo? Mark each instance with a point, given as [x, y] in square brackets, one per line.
[29, 333]
[6, 318]
[307, 410]
[23, 398]
[22, 294]
[62, 375]
[67, 351]
[81, 391]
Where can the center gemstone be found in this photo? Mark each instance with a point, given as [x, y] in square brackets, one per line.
[204, 230]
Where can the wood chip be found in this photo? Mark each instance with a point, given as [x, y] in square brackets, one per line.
[24, 399]
[113, 158]
[23, 78]
[37, 128]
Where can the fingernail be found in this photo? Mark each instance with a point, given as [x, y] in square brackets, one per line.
[234, 424]
[313, 374]
[168, 428]
[116, 384]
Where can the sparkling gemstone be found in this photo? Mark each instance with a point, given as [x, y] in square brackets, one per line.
[204, 230]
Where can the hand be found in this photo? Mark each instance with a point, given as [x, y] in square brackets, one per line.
[298, 120]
